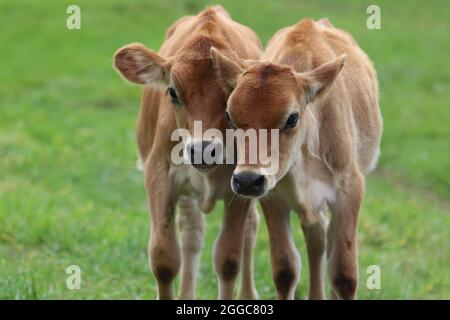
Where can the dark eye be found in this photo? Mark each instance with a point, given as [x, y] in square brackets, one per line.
[291, 121]
[173, 95]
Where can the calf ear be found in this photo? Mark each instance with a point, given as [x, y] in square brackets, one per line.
[140, 65]
[316, 82]
[228, 69]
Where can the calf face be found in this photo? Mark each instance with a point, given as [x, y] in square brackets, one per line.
[192, 89]
[268, 96]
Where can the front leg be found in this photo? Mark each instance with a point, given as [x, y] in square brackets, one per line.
[164, 251]
[192, 230]
[248, 290]
[343, 259]
[315, 237]
[229, 245]
[284, 256]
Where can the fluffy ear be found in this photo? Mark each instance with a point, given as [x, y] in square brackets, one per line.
[140, 65]
[317, 81]
[227, 69]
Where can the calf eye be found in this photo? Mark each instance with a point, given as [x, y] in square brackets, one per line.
[291, 121]
[173, 95]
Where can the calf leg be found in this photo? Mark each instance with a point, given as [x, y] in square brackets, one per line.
[315, 237]
[229, 244]
[163, 247]
[192, 229]
[284, 256]
[343, 260]
[329, 242]
[248, 290]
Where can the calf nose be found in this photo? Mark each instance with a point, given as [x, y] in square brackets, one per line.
[248, 183]
[204, 154]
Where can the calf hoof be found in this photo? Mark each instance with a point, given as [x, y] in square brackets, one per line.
[344, 286]
[248, 295]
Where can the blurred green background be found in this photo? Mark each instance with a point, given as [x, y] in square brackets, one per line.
[69, 190]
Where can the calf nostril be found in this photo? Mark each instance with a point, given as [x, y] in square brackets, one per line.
[203, 154]
[249, 183]
[259, 181]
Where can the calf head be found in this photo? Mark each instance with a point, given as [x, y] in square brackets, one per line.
[272, 97]
[191, 87]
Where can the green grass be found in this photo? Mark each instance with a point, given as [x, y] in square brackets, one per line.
[69, 191]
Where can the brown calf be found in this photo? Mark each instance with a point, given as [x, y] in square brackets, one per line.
[330, 130]
[181, 86]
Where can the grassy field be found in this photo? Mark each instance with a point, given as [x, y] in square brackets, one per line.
[69, 191]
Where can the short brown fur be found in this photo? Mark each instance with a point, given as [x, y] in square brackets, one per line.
[184, 63]
[319, 72]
